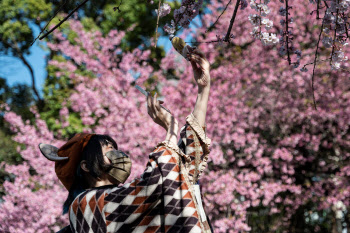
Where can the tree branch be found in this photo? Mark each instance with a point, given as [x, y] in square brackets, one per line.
[49, 32]
[25, 62]
[42, 29]
[155, 43]
[313, 70]
[287, 34]
[31, 71]
[227, 37]
[212, 26]
[335, 36]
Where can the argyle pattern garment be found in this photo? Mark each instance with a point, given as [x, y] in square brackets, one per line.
[161, 200]
[195, 145]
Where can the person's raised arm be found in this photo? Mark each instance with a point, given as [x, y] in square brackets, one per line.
[201, 74]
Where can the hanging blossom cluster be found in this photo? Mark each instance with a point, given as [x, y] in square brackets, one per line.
[335, 32]
[259, 21]
[286, 39]
[188, 10]
[164, 10]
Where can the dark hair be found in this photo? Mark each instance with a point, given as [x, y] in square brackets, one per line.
[95, 163]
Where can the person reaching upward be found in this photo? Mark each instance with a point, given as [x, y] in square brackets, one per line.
[165, 198]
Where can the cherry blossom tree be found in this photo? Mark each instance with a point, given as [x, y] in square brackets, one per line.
[272, 152]
[107, 103]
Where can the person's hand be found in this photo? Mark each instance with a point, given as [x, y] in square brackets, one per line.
[159, 115]
[200, 66]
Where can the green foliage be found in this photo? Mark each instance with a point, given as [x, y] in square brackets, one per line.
[18, 97]
[15, 19]
[8, 149]
[9, 154]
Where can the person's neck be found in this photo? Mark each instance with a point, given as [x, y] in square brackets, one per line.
[100, 183]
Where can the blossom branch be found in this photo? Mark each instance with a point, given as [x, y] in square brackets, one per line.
[158, 14]
[287, 37]
[65, 19]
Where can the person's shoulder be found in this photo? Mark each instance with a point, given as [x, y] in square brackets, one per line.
[89, 203]
[91, 197]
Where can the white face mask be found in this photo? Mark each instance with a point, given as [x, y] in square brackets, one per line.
[121, 165]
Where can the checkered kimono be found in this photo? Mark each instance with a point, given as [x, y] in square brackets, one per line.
[163, 199]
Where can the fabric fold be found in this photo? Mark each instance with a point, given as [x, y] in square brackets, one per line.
[175, 148]
[201, 154]
[193, 122]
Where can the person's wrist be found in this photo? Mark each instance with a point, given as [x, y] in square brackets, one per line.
[173, 127]
[168, 124]
[204, 89]
[172, 132]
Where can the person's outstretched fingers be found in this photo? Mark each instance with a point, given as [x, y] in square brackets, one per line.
[196, 51]
[150, 108]
[149, 100]
[193, 64]
[198, 59]
[155, 102]
[153, 107]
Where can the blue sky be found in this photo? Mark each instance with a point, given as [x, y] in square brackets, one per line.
[14, 71]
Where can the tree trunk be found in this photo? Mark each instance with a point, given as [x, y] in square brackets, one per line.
[40, 102]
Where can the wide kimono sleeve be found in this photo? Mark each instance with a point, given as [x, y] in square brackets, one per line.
[161, 200]
[195, 144]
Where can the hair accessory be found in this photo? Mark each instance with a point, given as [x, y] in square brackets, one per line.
[50, 152]
[67, 157]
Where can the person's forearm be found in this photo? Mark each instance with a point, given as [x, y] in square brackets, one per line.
[172, 131]
[200, 108]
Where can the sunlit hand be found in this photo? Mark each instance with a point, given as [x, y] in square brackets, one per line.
[200, 66]
[159, 115]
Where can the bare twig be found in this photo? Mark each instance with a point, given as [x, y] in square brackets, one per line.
[203, 42]
[156, 35]
[117, 7]
[318, 10]
[62, 21]
[346, 31]
[287, 34]
[212, 26]
[325, 3]
[49, 22]
[335, 35]
[227, 37]
[311, 63]
[313, 70]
